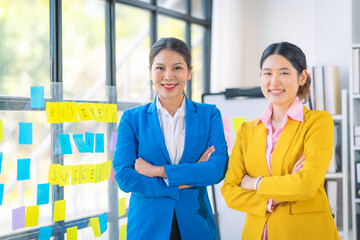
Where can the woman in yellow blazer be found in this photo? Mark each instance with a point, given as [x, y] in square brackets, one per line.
[278, 164]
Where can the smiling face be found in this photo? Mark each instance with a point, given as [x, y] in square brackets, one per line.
[169, 74]
[280, 81]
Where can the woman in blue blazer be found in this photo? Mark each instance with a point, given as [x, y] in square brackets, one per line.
[167, 153]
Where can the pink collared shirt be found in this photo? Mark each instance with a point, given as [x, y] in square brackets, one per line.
[296, 113]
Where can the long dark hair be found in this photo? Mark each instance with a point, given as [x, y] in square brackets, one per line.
[172, 44]
[298, 60]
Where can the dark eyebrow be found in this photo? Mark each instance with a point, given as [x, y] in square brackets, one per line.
[284, 68]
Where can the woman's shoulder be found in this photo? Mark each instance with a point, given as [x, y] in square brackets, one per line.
[317, 114]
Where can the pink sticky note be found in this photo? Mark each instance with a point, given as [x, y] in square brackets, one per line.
[113, 140]
[228, 141]
[18, 218]
[226, 124]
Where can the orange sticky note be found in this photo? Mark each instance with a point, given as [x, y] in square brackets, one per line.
[75, 174]
[59, 210]
[122, 206]
[32, 216]
[52, 113]
[1, 131]
[237, 123]
[65, 173]
[123, 232]
[83, 112]
[95, 224]
[54, 174]
[71, 233]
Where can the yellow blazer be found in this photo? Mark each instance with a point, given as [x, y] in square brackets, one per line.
[304, 212]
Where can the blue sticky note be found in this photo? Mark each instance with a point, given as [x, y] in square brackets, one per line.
[1, 157]
[23, 169]
[37, 97]
[43, 193]
[99, 142]
[89, 139]
[103, 222]
[80, 143]
[45, 233]
[25, 133]
[1, 193]
[65, 144]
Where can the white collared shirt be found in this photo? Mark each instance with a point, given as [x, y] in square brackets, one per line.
[173, 130]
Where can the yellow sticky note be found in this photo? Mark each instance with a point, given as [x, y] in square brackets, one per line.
[75, 174]
[92, 110]
[54, 174]
[113, 112]
[72, 115]
[107, 170]
[107, 116]
[1, 131]
[91, 173]
[59, 210]
[83, 112]
[65, 173]
[83, 173]
[63, 112]
[71, 233]
[122, 206]
[123, 232]
[100, 172]
[99, 109]
[32, 216]
[52, 113]
[237, 123]
[95, 224]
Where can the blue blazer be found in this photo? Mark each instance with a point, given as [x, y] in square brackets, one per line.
[152, 201]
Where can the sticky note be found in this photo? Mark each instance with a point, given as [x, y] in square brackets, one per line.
[91, 177]
[226, 124]
[99, 172]
[25, 133]
[65, 144]
[71, 233]
[80, 143]
[54, 174]
[1, 158]
[65, 173]
[23, 169]
[95, 224]
[1, 131]
[75, 174]
[37, 97]
[83, 112]
[122, 206]
[43, 193]
[113, 113]
[45, 233]
[72, 114]
[237, 123]
[107, 116]
[59, 210]
[99, 111]
[89, 139]
[83, 173]
[123, 232]
[91, 108]
[103, 222]
[18, 218]
[228, 141]
[32, 216]
[99, 142]
[52, 113]
[107, 170]
[62, 108]
[113, 140]
[1, 193]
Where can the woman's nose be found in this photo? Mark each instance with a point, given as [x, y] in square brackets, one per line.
[168, 74]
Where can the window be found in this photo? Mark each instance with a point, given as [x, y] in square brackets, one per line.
[82, 52]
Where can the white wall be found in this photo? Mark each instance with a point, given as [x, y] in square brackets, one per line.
[242, 29]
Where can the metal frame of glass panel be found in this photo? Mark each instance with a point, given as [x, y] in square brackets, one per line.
[19, 103]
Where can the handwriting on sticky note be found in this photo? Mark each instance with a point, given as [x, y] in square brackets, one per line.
[65, 144]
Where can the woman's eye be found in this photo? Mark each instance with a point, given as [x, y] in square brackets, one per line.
[266, 74]
[284, 73]
[177, 68]
[160, 68]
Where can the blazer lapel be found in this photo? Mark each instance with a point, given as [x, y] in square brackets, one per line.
[282, 146]
[192, 126]
[153, 122]
[258, 151]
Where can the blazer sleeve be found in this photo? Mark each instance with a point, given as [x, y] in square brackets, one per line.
[318, 141]
[236, 197]
[124, 159]
[204, 173]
